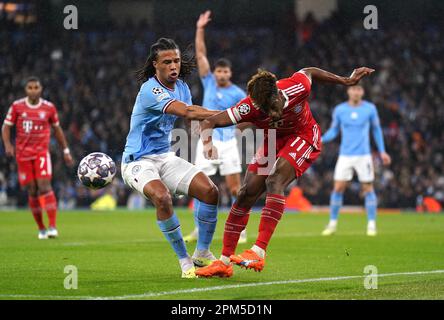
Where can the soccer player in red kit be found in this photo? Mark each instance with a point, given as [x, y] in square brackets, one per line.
[33, 118]
[281, 105]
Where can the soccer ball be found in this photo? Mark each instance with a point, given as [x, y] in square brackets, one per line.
[96, 170]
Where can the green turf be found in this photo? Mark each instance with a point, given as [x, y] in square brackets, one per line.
[121, 253]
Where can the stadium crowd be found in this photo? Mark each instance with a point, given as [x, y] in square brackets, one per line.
[89, 76]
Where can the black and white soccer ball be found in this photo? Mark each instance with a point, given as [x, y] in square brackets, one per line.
[96, 170]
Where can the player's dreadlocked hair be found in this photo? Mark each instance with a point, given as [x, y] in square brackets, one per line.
[188, 61]
[263, 91]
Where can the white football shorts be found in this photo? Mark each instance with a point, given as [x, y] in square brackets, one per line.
[362, 165]
[175, 172]
[228, 162]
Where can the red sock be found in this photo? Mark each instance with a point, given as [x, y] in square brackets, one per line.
[36, 210]
[235, 224]
[48, 201]
[271, 214]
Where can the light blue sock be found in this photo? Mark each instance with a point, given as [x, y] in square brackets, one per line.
[171, 230]
[371, 203]
[196, 205]
[335, 205]
[207, 219]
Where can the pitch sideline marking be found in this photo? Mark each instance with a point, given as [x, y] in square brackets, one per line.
[147, 241]
[216, 288]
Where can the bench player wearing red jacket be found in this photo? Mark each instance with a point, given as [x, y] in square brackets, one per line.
[281, 108]
[33, 118]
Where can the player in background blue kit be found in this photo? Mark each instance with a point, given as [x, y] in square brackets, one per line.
[219, 94]
[354, 119]
[149, 167]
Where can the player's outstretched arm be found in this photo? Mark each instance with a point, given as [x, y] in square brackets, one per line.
[325, 76]
[192, 112]
[6, 137]
[221, 119]
[379, 138]
[201, 50]
[333, 131]
[330, 135]
[61, 140]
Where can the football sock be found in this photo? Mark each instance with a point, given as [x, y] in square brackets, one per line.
[196, 204]
[336, 199]
[171, 230]
[48, 202]
[259, 251]
[233, 200]
[36, 210]
[206, 219]
[186, 263]
[271, 215]
[236, 222]
[203, 254]
[371, 203]
[226, 260]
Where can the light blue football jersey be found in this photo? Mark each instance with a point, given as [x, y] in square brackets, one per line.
[150, 126]
[354, 123]
[219, 98]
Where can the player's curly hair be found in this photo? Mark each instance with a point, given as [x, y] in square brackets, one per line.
[188, 60]
[263, 91]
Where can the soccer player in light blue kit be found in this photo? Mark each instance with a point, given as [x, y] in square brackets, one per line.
[219, 94]
[354, 119]
[147, 164]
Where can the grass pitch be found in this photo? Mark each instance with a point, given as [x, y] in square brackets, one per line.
[123, 255]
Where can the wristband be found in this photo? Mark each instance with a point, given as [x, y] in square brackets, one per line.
[66, 151]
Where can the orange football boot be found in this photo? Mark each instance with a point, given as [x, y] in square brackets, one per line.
[248, 260]
[216, 269]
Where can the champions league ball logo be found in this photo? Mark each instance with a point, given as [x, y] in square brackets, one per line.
[96, 170]
[244, 109]
[157, 90]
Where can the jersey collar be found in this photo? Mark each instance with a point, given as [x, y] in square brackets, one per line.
[286, 98]
[33, 106]
[157, 79]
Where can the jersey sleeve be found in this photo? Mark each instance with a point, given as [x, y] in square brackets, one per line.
[377, 130]
[374, 118]
[299, 86]
[155, 98]
[333, 131]
[243, 111]
[188, 98]
[54, 117]
[11, 116]
[241, 94]
[208, 80]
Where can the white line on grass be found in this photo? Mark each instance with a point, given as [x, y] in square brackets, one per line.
[147, 241]
[215, 288]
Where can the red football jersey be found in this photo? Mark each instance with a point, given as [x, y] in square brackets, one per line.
[296, 118]
[33, 126]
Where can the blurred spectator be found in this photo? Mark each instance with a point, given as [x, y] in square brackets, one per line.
[89, 76]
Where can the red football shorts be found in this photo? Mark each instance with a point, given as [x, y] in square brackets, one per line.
[38, 168]
[298, 152]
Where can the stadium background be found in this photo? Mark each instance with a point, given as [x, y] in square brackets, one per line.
[88, 74]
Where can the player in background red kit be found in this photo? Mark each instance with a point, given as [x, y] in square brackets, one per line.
[283, 106]
[33, 118]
